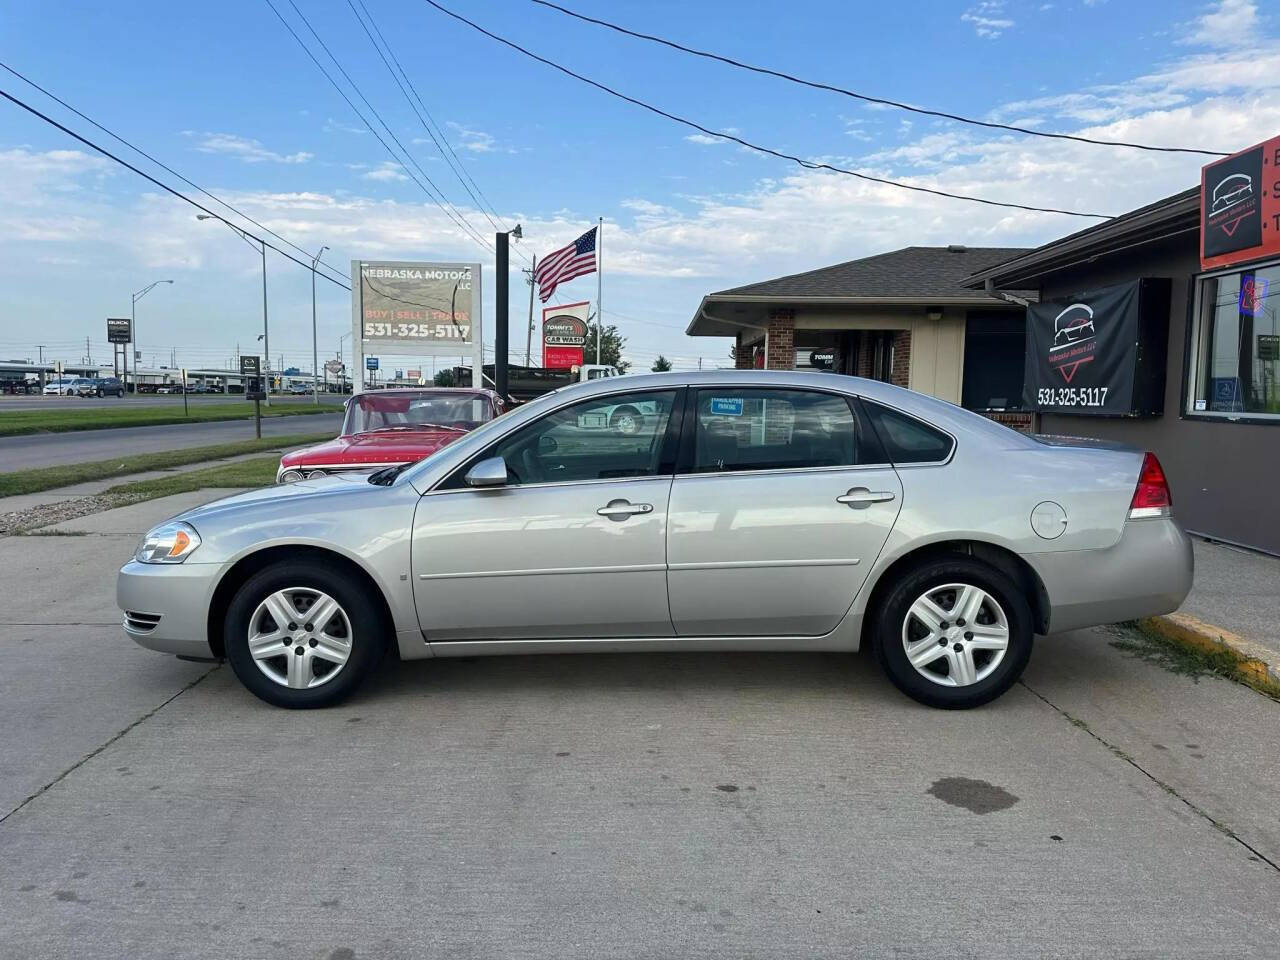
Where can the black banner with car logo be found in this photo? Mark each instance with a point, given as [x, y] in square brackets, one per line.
[1088, 355]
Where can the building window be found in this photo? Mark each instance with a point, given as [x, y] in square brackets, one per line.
[1236, 345]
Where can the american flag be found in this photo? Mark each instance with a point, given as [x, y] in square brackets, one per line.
[576, 260]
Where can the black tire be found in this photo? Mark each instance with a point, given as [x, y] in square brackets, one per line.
[368, 629]
[892, 614]
[621, 414]
[101, 394]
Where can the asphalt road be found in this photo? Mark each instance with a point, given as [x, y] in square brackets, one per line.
[81, 446]
[622, 806]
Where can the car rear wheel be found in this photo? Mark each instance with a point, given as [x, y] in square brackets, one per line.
[299, 635]
[954, 633]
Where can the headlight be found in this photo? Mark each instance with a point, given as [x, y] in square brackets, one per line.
[316, 473]
[288, 476]
[170, 543]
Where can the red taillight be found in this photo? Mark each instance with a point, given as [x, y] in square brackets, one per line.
[1152, 497]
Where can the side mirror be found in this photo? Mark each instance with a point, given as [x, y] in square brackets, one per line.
[488, 473]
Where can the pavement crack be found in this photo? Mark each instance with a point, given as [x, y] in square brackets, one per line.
[1166, 787]
[93, 753]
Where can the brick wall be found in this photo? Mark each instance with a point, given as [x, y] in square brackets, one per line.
[900, 375]
[1021, 422]
[782, 340]
[741, 354]
[866, 356]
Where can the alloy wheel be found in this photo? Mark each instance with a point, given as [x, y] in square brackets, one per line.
[300, 637]
[955, 634]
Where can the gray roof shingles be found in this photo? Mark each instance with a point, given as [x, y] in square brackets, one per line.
[914, 272]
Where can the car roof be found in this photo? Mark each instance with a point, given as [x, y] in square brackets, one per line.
[392, 390]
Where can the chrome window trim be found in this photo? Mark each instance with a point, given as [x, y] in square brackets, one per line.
[435, 491]
[776, 471]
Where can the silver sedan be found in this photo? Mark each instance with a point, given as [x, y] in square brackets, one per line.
[739, 510]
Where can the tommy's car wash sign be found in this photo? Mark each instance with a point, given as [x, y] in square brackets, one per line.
[1240, 206]
[1098, 353]
[564, 334]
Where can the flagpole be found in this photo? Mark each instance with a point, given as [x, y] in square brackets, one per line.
[599, 284]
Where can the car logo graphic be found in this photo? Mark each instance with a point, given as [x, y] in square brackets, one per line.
[1073, 325]
[1073, 330]
[1231, 192]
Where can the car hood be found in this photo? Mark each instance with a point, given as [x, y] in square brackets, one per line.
[400, 446]
[297, 494]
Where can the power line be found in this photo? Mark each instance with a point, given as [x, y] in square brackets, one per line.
[163, 186]
[455, 164]
[138, 150]
[807, 164]
[781, 75]
[458, 221]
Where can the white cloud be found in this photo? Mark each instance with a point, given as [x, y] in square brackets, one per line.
[477, 141]
[988, 18]
[385, 172]
[1228, 23]
[703, 139]
[243, 148]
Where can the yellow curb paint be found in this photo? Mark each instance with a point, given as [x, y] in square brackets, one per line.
[1253, 666]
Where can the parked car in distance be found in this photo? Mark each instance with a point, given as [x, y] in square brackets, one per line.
[754, 510]
[67, 386]
[393, 427]
[102, 387]
[300, 389]
[19, 385]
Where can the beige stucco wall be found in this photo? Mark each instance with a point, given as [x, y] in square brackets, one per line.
[937, 346]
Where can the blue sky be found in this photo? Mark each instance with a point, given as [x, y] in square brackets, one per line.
[223, 94]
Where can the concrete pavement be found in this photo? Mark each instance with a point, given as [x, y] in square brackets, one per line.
[613, 806]
[56, 449]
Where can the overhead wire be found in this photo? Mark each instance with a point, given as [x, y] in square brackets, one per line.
[867, 98]
[163, 186]
[455, 164]
[163, 166]
[724, 135]
[442, 201]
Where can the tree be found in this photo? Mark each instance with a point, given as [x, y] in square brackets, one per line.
[446, 378]
[661, 365]
[611, 346]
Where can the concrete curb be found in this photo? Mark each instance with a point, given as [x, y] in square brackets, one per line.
[1255, 664]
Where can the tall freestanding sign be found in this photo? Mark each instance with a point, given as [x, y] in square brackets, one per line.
[411, 308]
[1240, 206]
[564, 334]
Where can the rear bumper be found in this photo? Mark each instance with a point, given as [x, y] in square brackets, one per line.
[1147, 572]
[166, 607]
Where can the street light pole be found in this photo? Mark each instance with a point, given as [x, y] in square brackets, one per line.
[315, 350]
[133, 333]
[343, 382]
[261, 246]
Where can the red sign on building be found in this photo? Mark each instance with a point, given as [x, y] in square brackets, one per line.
[1240, 206]
[564, 334]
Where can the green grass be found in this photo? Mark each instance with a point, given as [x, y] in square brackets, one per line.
[50, 478]
[244, 473]
[17, 422]
[1136, 642]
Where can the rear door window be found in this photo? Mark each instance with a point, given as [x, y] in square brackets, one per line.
[739, 429]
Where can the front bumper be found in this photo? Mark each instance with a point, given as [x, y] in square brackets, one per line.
[166, 606]
[1147, 572]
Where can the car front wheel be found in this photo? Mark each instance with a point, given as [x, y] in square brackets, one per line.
[954, 633]
[300, 635]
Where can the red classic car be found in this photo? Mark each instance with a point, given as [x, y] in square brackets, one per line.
[387, 428]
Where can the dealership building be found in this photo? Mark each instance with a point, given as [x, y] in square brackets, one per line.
[1157, 328]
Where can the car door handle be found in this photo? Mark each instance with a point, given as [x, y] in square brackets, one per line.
[859, 498]
[621, 509]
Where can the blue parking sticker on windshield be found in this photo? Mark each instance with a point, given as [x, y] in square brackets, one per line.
[727, 406]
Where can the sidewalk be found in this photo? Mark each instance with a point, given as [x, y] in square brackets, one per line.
[1234, 605]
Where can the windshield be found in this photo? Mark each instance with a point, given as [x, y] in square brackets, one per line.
[425, 410]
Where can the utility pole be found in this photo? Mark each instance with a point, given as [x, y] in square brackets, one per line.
[315, 350]
[501, 333]
[87, 353]
[528, 338]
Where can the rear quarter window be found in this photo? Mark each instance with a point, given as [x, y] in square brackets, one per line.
[906, 439]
